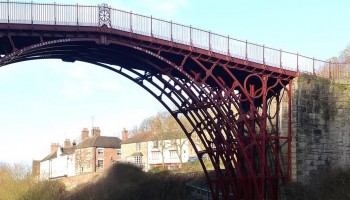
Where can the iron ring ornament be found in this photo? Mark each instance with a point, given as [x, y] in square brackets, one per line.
[105, 15]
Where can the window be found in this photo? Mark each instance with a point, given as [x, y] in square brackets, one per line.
[173, 154]
[155, 155]
[155, 144]
[119, 152]
[173, 144]
[100, 151]
[138, 160]
[138, 146]
[100, 164]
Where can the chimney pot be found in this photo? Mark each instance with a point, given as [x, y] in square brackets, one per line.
[124, 134]
[67, 143]
[54, 147]
[96, 132]
[84, 134]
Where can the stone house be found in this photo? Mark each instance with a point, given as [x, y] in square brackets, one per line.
[134, 149]
[149, 150]
[94, 153]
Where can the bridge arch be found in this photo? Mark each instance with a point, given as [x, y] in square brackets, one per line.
[215, 110]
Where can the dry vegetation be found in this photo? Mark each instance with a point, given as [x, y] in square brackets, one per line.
[330, 185]
[17, 184]
[123, 181]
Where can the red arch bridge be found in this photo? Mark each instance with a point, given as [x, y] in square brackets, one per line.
[229, 90]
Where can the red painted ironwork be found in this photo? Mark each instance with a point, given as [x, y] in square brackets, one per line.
[230, 91]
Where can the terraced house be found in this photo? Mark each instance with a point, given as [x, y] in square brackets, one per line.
[154, 149]
[93, 154]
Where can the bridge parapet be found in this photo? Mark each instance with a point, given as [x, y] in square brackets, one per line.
[103, 15]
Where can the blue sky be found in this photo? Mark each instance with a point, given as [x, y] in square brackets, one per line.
[47, 101]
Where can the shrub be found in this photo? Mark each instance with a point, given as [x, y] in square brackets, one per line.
[18, 184]
[44, 190]
[123, 181]
[329, 184]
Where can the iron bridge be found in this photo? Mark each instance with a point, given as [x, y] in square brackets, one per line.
[229, 90]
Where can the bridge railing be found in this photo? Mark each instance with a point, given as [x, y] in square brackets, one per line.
[83, 15]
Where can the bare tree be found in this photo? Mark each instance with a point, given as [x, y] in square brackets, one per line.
[160, 135]
[167, 134]
[172, 131]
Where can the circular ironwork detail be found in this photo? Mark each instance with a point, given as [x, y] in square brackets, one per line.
[105, 15]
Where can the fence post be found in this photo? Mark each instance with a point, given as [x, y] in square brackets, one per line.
[55, 13]
[297, 62]
[246, 50]
[31, 11]
[131, 21]
[209, 41]
[8, 11]
[264, 54]
[281, 58]
[191, 43]
[313, 66]
[151, 26]
[171, 30]
[77, 15]
[228, 45]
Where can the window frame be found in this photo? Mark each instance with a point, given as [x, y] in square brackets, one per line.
[99, 150]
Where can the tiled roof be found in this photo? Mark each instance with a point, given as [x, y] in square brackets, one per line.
[100, 141]
[139, 137]
[50, 156]
[137, 154]
[68, 151]
[65, 151]
[151, 136]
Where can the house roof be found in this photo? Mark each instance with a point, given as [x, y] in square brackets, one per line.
[68, 151]
[50, 156]
[140, 137]
[137, 154]
[100, 141]
[65, 151]
[151, 136]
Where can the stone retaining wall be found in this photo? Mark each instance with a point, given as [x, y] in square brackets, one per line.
[321, 125]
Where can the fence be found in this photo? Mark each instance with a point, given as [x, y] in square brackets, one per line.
[202, 193]
[85, 15]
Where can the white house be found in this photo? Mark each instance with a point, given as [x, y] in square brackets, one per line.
[149, 150]
[170, 153]
[92, 154]
[60, 163]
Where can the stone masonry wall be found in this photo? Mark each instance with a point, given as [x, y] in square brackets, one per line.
[321, 125]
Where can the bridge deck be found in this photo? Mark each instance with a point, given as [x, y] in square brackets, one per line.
[54, 20]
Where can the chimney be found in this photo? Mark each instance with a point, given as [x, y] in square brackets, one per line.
[36, 168]
[67, 143]
[54, 147]
[74, 143]
[96, 132]
[124, 134]
[84, 134]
